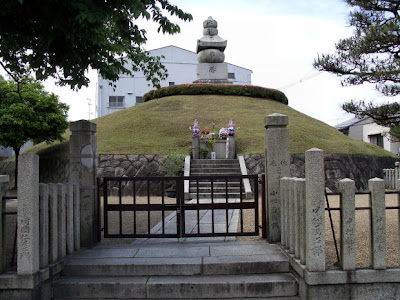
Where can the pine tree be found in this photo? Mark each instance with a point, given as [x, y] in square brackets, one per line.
[371, 54]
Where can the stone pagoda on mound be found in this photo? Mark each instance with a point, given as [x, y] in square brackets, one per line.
[210, 55]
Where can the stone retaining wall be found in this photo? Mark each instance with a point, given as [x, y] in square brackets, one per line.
[132, 166]
[337, 166]
[360, 168]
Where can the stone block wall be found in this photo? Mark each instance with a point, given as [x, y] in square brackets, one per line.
[132, 166]
[359, 168]
[129, 165]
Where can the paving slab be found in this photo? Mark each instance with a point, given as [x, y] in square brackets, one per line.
[133, 266]
[192, 287]
[174, 251]
[107, 252]
[191, 224]
[252, 264]
[98, 287]
[244, 249]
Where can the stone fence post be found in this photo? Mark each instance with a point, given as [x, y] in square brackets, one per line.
[4, 182]
[277, 165]
[83, 162]
[315, 210]
[378, 223]
[347, 189]
[28, 214]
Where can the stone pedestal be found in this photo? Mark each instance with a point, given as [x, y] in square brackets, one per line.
[277, 165]
[224, 149]
[212, 73]
[83, 164]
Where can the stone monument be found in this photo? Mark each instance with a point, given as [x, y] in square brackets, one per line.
[210, 55]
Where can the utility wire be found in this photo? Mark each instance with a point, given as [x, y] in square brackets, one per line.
[301, 80]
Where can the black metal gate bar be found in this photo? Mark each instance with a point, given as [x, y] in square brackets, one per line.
[212, 209]
[241, 201]
[179, 201]
[179, 206]
[226, 200]
[224, 205]
[263, 207]
[105, 203]
[148, 204]
[134, 208]
[120, 203]
[163, 205]
[256, 213]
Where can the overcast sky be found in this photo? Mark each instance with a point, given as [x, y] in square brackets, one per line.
[277, 40]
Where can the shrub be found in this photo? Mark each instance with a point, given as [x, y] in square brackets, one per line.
[217, 89]
[173, 164]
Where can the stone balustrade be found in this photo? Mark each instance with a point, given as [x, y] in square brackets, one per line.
[391, 176]
[48, 219]
[303, 218]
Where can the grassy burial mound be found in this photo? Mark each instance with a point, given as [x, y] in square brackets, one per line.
[161, 126]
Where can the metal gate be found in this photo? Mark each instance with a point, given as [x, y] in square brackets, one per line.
[137, 207]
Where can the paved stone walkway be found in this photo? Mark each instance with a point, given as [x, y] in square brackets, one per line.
[191, 226]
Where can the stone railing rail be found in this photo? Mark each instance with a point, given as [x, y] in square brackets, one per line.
[48, 220]
[391, 176]
[303, 228]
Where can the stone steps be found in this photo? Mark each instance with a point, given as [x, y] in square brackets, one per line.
[216, 170]
[175, 266]
[194, 162]
[216, 167]
[207, 195]
[215, 270]
[218, 189]
[176, 287]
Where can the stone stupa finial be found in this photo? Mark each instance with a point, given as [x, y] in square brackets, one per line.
[210, 55]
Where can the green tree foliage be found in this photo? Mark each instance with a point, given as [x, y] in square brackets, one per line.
[27, 112]
[63, 39]
[386, 115]
[371, 54]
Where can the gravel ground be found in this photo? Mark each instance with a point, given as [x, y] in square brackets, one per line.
[363, 232]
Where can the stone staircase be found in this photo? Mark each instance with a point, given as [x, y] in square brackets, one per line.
[233, 270]
[211, 168]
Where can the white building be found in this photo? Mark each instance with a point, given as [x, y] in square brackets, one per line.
[9, 152]
[181, 65]
[367, 130]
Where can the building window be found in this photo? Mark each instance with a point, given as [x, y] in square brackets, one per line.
[376, 139]
[171, 83]
[231, 75]
[116, 101]
[139, 100]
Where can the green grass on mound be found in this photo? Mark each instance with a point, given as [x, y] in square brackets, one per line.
[161, 126]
